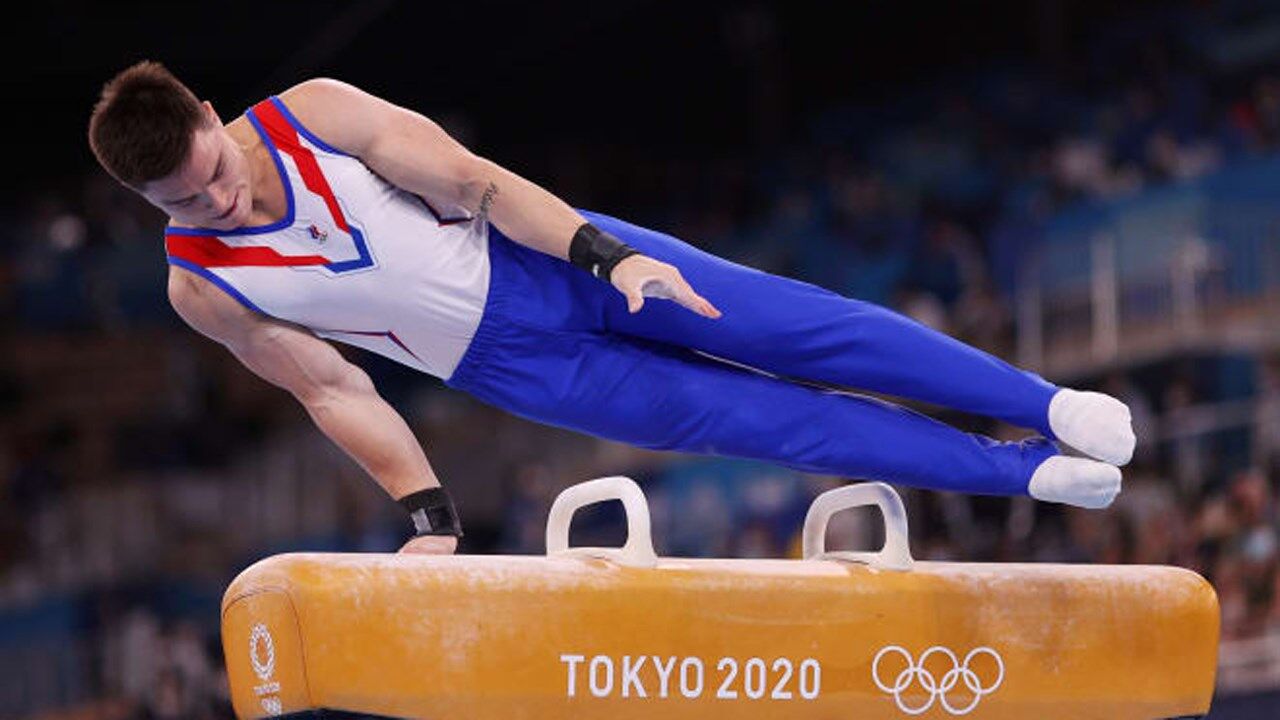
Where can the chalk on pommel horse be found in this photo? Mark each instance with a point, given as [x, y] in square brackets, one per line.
[620, 633]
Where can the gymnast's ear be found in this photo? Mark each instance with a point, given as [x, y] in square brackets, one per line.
[210, 114]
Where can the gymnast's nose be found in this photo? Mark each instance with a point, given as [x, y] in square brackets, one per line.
[221, 201]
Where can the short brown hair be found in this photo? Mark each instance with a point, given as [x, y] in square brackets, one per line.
[141, 129]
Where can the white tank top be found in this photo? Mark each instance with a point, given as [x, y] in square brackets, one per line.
[355, 259]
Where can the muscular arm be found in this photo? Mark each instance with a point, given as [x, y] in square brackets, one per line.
[415, 153]
[338, 395]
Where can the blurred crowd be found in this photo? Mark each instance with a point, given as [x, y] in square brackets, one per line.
[927, 202]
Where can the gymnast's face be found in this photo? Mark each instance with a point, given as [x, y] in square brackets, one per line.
[212, 188]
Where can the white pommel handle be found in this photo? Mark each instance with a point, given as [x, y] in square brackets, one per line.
[896, 553]
[638, 550]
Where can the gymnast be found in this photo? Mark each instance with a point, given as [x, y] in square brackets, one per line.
[326, 213]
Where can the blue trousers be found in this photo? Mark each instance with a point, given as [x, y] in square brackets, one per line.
[558, 346]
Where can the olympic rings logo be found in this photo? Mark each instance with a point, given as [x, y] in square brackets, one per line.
[937, 689]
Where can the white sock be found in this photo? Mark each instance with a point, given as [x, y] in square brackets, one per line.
[1095, 424]
[1075, 481]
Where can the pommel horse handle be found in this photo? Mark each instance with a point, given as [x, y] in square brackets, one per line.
[896, 553]
[638, 550]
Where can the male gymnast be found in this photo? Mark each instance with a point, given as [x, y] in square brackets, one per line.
[328, 213]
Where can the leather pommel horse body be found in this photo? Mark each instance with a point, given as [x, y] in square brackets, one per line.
[620, 633]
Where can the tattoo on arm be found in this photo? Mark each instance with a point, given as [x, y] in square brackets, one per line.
[486, 200]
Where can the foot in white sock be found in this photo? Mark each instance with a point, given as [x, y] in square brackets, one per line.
[1075, 481]
[1095, 424]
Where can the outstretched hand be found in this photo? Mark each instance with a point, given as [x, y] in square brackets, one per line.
[431, 545]
[638, 277]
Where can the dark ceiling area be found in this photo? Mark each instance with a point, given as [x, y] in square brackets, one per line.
[678, 77]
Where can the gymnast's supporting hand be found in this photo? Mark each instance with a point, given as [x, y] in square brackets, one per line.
[431, 545]
[435, 521]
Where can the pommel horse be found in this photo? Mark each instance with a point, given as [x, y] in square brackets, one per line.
[620, 633]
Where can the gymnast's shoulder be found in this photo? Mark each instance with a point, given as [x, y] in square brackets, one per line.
[206, 308]
[343, 115]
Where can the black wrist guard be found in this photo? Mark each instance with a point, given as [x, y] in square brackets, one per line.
[598, 252]
[432, 512]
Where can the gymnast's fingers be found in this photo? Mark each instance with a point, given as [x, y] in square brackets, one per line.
[686, 296]
[431, 545]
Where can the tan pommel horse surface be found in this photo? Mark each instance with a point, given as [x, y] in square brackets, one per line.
[621, 633]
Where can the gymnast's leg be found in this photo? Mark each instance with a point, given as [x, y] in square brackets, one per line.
[798, 330]
[667, 398]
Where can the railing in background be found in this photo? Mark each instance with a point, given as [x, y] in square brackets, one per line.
[1189, 266]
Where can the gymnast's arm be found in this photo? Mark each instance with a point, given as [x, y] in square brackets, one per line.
[339, 396]
[414, 153]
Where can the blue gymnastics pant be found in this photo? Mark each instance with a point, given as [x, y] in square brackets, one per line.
[558, 346]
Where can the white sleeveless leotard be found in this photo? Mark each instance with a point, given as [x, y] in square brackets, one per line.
[355, 259]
